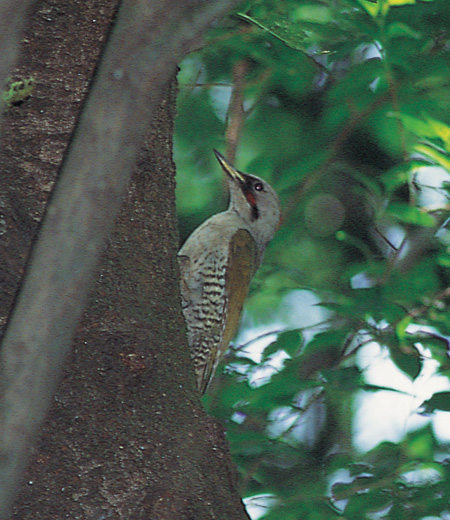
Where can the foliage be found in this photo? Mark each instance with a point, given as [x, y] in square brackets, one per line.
[17, 91]
[347, 114]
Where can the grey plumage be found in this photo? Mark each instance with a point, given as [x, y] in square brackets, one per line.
[217, 263]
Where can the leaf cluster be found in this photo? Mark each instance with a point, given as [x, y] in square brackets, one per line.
[347, 115]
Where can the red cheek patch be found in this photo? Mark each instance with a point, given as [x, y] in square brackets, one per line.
[250, 199]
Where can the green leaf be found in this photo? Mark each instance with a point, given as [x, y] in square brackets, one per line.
[387, 4]
[323, 352]
[440, 158]
[427, 127]
[271, 349]
[439, 401]
[282, 28]
[375, 388]
[282, 387]
[399, 30]
[411, 214]
[314, 13]
[417, 126]
[401, 327]
[371, 6]
[399, 2]
[410, 362]
[420, 445]
[290, 341]
[441, 130]
[388, 457]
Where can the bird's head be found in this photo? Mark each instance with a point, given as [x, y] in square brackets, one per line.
[254, 200]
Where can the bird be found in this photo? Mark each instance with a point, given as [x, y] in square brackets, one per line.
[217, 263]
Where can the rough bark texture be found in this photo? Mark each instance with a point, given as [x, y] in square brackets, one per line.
[126, 436]
[13, 18]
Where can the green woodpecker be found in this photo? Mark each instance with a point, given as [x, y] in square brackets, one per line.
[217, 263]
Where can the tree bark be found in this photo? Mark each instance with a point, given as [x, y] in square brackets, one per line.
[12, 24]
[126, 435]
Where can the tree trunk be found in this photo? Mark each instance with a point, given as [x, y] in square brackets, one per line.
[126, 436]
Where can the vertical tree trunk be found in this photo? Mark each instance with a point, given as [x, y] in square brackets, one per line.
[126, 436]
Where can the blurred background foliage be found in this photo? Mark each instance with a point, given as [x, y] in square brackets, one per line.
[336, 392]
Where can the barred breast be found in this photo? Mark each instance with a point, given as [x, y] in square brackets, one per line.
[204, 308]
[214, 284]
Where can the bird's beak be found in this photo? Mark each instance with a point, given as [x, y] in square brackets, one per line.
[228, 168]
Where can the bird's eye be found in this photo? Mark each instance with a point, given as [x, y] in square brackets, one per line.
[258, 186]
